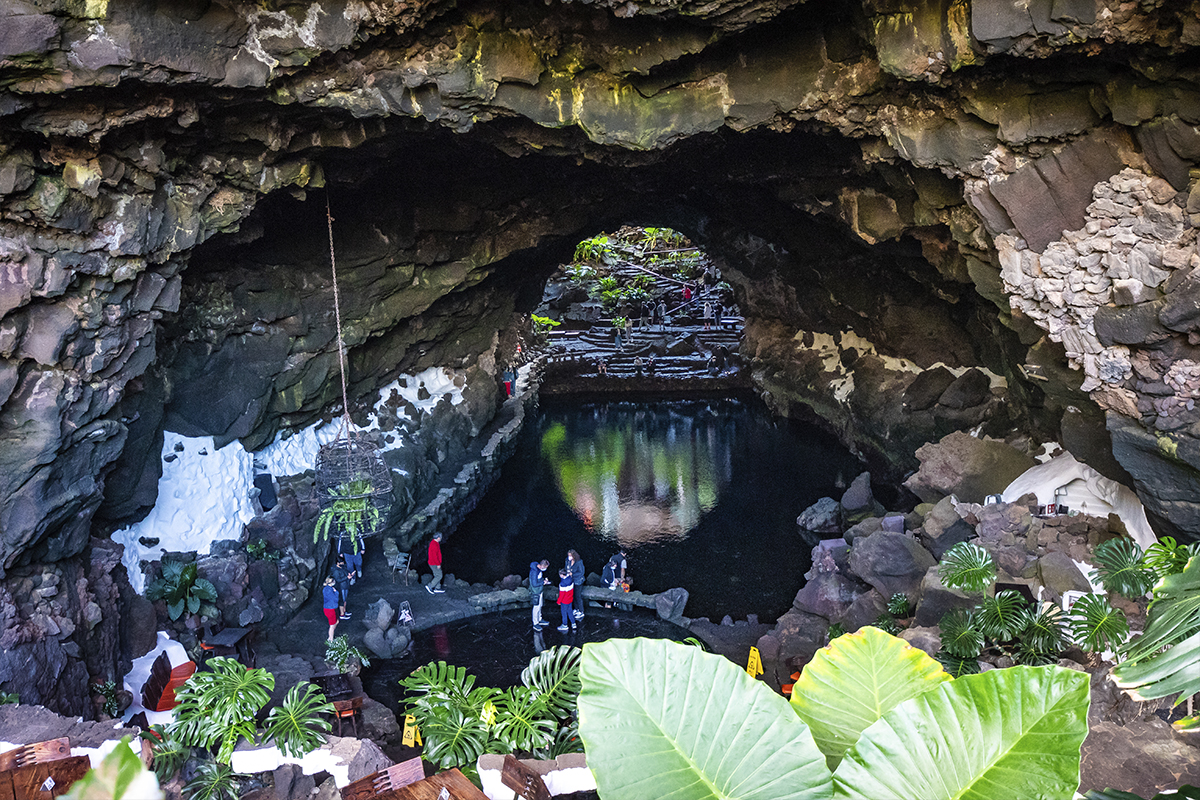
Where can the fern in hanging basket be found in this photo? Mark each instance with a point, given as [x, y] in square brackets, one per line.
[351, 513]
[354, 489]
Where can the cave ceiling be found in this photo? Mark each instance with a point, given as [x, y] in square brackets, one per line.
[937, 216]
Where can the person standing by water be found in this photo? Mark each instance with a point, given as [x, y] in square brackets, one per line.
[538, 580]
[575, 567]
[329, 596]
[435, 564]
[566, 594]
[622, 564]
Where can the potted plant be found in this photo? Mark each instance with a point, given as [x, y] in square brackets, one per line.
[351, 512]
[345, 660]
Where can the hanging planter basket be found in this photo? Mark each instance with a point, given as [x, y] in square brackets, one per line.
[354, 489]
[354, 486]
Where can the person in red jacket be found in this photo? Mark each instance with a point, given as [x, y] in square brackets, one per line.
[566, 593]
[435, 564]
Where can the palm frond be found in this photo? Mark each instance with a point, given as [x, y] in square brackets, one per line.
[1095, 625]
[554, 675]
[968, 567]
[297, 726]
[1001, 617]
[1120, 568]
[960, 637]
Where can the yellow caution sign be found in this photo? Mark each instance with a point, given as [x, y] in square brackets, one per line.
[412, 734]
[754, 665]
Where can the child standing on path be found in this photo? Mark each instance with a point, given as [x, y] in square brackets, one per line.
[329, 595]
[575, 567]
[566, 592]
[435, 564]
[537, 580]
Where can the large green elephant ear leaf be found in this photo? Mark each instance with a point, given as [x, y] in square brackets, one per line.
[856, 680]
[1013, 733]
[664, 721]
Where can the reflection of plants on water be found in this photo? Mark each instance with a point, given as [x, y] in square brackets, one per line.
[636, 485]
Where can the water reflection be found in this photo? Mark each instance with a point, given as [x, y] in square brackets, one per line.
[702, 494]
[641, 477]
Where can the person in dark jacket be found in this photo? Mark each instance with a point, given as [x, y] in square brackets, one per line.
[575, 567]
[537, 580]
[341, 578]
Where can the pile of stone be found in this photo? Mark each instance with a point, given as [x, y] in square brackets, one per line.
[877, 556]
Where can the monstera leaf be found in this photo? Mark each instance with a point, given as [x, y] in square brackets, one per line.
[1013, 733]
[663, 720]
[856, 680]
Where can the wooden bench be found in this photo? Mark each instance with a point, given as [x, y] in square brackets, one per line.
[377, 784]
[40, 771]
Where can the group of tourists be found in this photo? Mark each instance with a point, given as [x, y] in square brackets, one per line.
[570, 587]
[342, 576]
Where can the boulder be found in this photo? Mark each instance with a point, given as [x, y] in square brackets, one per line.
[858, 503]
[972, 388]
[1058, 573]
[943, 528]
[863, 529]
[671, 604]
[1004, 524]
[865, 609]
[828, 595]
[890, 562]
[799, 635]
[362, 756]
[823, 516]
[378, 721]
[935, 599]
[966, 467]
[928, 640]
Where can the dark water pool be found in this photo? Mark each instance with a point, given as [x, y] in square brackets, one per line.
[702, 493]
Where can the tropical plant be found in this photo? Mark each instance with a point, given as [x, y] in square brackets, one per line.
[120, 775]
[459, 720]
[298, 725]
[350, 510]
[887, 623]
[961, 638]
[212, 781]
[9, 698]
[1002, 617]
[619, 322]
[898, 606]
[181, 587]
[258, 549]
[168, 753]
[1168, 557]
[579, 274]
[643, 281]
[835, 630]
[108, 690]
[1043, 630]
[1012, 733]
[553, 675]
[1165, 659]
[968, 567]
[218, 706]
[1120, 567]
[611, 298]
[340, 653]
[608, 284]
[591, 250]
[1095, 625]
[543, 324]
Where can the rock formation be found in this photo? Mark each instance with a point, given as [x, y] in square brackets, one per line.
[938, 216]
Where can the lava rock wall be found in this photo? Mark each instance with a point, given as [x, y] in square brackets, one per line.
[855, 166]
